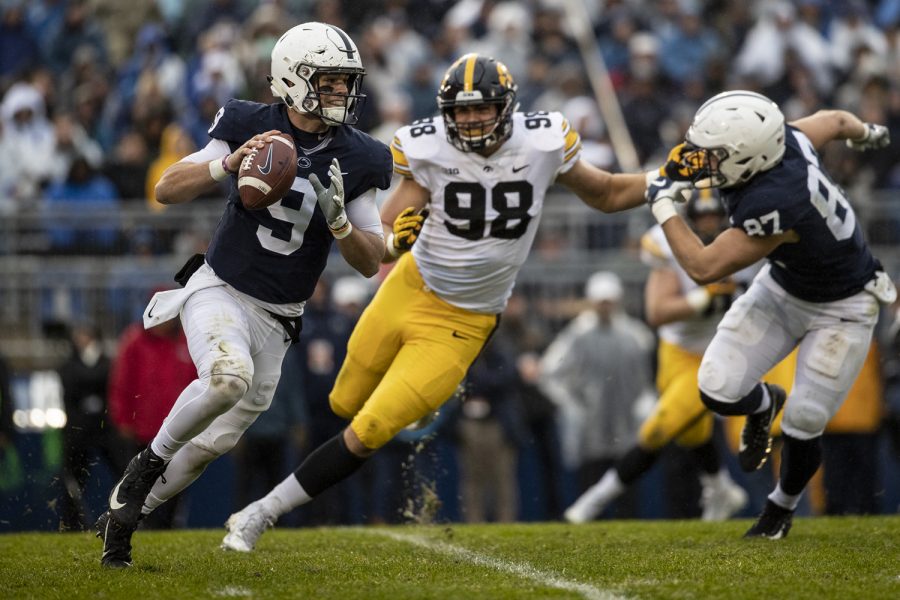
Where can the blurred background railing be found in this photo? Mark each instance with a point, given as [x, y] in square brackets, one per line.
[104, 264]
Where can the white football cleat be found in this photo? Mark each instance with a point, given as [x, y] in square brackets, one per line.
[720, 501]
[246, 527]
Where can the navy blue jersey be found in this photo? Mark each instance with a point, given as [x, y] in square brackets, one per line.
[831, 260]
[277, 254]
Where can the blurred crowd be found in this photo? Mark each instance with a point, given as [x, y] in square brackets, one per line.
[99, 96]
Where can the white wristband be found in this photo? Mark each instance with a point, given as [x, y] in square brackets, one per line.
[342, 232]
[217, 169]
[663, 210]
[699, 299]
[393, 250]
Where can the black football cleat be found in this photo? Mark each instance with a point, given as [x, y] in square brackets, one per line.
[774, 523]
[127, 497]
[756, 437]
[116, 542]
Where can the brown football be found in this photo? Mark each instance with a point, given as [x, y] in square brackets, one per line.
[266, 174]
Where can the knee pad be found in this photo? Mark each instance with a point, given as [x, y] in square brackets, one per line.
[804, 417]
[372, 431]
[721, 377]
[225, 390]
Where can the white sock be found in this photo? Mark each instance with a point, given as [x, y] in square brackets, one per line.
[718, 480]
[766, 401]
[189, 416]
[604, 491]
[784, 500]
[285, 497]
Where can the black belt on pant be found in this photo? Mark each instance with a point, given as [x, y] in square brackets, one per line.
[292, 326]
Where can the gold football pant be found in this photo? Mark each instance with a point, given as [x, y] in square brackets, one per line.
[679, 413]
[406, 356]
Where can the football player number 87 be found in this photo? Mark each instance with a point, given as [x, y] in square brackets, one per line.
[467, 201]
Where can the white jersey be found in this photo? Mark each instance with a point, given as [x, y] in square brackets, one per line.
[484, 211]
[693, 334]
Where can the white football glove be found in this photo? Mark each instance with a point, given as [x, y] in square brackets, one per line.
[661, 194]
[877, 136]
[331, 201]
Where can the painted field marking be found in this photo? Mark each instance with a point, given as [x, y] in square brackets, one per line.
[521, 569]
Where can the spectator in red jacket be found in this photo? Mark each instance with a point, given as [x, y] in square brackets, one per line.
[151, 369]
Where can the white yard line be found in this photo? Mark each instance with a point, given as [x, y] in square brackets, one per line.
[232, 591]
[521, 569]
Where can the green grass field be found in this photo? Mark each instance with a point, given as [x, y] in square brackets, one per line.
[822, 558]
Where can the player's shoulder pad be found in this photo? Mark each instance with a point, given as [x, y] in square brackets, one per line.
[546, 131]
[420, 140]
[783, 189]
[655, 250]
[240, 120]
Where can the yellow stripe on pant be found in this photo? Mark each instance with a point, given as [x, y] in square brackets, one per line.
[406, 356]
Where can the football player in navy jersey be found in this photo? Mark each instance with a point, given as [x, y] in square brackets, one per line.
[819, 290]
[241, 306]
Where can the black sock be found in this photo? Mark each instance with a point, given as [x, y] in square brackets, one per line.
[799, 461]
[707, 457]
[747, 405]
[635, 463]
[328, 464]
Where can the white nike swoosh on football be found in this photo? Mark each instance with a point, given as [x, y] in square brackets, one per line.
[114, 500]
[345, 173]
[267, 166]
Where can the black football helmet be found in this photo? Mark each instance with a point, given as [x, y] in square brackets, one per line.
[706, 201]
[472, 80]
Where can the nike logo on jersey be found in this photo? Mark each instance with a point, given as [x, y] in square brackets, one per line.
[517, 169]
[266, 166]
[150, 311]
[114, 498]
[459, 336]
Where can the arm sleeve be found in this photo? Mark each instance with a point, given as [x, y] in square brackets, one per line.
[363, 213]
[214, 149]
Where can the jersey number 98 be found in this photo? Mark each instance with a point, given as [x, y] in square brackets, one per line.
[468, 201]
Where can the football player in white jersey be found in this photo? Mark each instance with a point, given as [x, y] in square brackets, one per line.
[819, 291]
[242, 302]
[482, 170]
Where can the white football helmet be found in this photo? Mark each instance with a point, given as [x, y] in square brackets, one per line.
[303, 54]
[734, 136]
